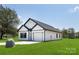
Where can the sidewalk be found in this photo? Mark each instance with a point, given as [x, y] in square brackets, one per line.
[21, 43]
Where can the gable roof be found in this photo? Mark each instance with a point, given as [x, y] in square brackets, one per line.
[43, 25]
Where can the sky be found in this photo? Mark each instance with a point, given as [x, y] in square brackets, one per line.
[57, 15]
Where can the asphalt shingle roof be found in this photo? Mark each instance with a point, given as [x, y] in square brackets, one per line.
[45, 26]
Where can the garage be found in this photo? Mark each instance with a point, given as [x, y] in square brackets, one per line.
[38, 36]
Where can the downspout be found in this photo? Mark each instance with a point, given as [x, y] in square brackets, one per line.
[44, 35]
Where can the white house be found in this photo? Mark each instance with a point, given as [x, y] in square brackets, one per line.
[38, 31]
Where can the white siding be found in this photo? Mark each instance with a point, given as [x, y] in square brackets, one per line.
[38, 35]
[50, 35]
[23, 29]
[60, 35]
[23, 38]
[30, 24]
[37, 27]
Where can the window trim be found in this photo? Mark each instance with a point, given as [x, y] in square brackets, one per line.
[56, 35]
[23, 33]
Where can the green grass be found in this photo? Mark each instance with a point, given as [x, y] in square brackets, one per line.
[58, 47]
[5, 39]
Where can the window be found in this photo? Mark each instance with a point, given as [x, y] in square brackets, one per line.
[23, 35]
[56, 35]
[59, 35]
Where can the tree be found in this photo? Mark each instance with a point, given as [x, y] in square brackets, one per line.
[8, 21]
[65, 33]
[71, 33]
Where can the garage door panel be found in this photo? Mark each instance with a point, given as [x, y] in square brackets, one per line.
[38, 36]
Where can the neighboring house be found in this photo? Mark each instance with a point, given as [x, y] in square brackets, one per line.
[77, 34]
[37, 31]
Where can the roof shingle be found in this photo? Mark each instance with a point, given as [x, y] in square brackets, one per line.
[45, 26]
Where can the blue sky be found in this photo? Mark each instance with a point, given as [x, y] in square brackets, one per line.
[57, 15]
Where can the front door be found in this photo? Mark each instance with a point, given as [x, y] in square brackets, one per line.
[30, 35]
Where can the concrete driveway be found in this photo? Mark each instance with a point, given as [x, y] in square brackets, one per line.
[21, 42]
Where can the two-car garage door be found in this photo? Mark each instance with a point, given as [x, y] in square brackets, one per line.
[38, 36]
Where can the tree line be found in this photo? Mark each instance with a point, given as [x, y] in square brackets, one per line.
[70, 33]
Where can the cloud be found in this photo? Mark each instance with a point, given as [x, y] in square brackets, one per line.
[75, 9]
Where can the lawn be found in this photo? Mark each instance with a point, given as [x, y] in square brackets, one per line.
[58, 47]
[5, 39]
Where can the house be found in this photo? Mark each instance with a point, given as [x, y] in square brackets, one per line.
[76, 34]
[38, 31]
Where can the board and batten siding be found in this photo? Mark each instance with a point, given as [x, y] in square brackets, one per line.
[30, 24]
[38, 33]
[23, 30]
[50, 35]
[37, 27]
[60, 35]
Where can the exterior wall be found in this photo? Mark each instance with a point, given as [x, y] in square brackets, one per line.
[30, 24]
[60, 35]
[50, 35]
[38, 32]
[37, 28]
[23, 30]
[37, 35]
[23, 38]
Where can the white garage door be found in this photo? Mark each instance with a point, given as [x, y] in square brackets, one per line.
[38, 36]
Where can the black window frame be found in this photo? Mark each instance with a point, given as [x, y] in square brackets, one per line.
[56, 35]
[23, 35]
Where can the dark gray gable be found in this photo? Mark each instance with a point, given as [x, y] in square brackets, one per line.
[43, 25]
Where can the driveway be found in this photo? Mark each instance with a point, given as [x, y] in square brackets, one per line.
[21, 42]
